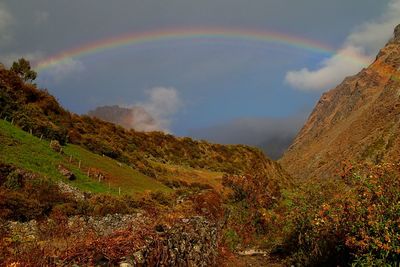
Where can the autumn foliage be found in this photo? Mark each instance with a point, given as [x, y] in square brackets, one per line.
[355, 219]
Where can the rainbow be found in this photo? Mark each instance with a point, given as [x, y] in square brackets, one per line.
[138, 38]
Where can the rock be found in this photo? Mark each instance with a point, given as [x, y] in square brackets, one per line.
[55, 145]
[138, 258]
[66, 173]
[193, 243]
[75, 192]
[101, 260]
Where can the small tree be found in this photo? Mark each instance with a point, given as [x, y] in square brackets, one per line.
[23, 68]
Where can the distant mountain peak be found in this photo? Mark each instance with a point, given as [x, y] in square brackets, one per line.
[136, 118]
[397, 33]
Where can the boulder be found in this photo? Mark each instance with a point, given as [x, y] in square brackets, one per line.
[66, 173]
[55, 145]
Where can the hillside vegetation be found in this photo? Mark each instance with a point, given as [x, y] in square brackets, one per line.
[37, 111]
[118, 171]
[190, 203]
[28, 152]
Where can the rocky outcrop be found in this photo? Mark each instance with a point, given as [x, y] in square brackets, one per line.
[359, 120]
[72, 191]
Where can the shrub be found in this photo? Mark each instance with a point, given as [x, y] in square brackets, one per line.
[100, 205]
[208, 204]
[18, 206]
[13, 180]
[161, 198]
[231, 239]
[353, 221]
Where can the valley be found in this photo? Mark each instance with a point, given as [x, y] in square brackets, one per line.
[79, 191]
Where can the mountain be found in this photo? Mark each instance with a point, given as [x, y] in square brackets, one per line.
[357, 121]
[130, 118]
[151, 153]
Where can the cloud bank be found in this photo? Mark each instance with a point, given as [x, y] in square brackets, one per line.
[161, 105]
[272, 135]
[363, 42]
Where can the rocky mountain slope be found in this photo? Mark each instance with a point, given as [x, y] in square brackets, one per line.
[359, 120]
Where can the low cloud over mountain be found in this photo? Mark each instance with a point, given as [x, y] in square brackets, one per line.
[272, 135]
[154, 114]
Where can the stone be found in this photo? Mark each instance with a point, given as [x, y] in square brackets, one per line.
[55, 145]
[66, 173]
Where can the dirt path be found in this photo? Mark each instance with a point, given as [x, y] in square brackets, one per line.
[254, 257]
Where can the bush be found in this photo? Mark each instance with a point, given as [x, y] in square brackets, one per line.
[161, 198]
[356, 220]
[100, 205]
[13, 180]
[18, 206]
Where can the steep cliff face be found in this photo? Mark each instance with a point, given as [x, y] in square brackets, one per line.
[359, 120]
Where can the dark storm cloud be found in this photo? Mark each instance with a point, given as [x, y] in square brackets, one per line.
[50, 26]
[272, 135]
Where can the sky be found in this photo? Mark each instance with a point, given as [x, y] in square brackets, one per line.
[226, 90]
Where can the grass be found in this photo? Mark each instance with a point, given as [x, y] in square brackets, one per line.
[118, 175]
[191, 175]
[29, 152]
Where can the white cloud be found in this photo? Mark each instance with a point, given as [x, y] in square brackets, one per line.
[363, 43]
[162, 104]
[62, 70]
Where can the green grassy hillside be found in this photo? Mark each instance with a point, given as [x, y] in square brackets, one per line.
[29, 152]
